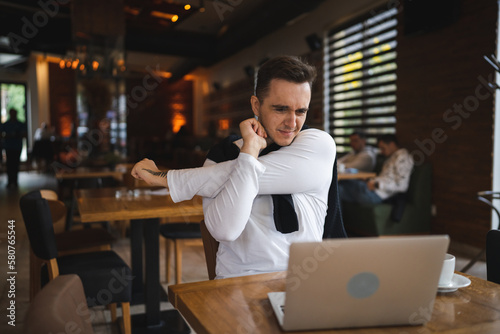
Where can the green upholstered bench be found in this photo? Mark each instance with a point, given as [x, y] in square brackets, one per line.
[375, 219]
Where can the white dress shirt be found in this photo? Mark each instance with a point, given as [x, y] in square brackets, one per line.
[238, 206]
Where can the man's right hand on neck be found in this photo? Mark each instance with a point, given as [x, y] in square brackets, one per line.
[254, 137]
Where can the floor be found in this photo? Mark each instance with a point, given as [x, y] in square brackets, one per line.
[194, 268]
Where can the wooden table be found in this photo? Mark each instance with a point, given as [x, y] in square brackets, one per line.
[107, 204]
[69, 179]
[240, 305]
[355, 176]
[144, 211]
[91, 173]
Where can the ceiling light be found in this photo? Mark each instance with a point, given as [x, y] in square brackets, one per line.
[162, 15]
[187, 7]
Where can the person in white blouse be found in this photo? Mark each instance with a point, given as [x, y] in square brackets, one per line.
[394, 177]
[268, 189]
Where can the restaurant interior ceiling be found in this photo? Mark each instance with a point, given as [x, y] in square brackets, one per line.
[185, 37]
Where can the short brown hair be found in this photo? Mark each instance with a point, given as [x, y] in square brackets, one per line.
[388, 138]
[288, 68]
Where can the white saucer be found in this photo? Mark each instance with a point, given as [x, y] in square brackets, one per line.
[458, 281]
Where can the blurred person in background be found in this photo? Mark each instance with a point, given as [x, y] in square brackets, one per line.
[13, 131]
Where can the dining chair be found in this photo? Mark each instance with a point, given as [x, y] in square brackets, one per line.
[68, 242]
[178, 236]
[106, 278]
[60, 307]
[210, 246]
[74, 240]
[57, 211]
[485, 197]
[493, 256]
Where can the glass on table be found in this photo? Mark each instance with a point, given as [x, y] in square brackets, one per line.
[142, 193]
[124, 194]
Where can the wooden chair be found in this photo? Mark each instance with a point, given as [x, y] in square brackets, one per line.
[68, 242]
[211, 246]
[105, 276]
[178, 236]
[60, 305]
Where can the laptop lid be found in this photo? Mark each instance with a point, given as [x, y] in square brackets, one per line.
[363, 282]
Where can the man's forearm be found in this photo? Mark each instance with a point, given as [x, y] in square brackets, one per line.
[206, 181]
[160, 177]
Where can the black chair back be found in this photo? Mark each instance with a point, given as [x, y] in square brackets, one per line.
[39, 225]
[493, 256]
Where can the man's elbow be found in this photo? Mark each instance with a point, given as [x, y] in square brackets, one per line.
[226, 236]
[222, 233]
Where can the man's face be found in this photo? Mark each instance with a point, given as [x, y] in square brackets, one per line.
[357, 143]
[386, 149]
[284, 110]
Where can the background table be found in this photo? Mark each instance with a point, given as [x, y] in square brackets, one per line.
[91, 172]
[355, 176]
[240, 304]
[144, 211]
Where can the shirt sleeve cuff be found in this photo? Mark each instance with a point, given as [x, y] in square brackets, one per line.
[246, 158]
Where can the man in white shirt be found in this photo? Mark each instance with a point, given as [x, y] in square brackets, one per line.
[257, 204]
[362, 157]
[394, 177]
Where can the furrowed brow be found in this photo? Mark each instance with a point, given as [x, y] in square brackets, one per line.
[280, 106]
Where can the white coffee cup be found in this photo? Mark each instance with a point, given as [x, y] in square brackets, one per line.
[340, 167]
[447, 271]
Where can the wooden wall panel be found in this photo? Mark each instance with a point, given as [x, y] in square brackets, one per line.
[150, 117]
[231, 104]
[62, 90]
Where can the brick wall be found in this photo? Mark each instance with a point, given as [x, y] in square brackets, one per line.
[445, 115]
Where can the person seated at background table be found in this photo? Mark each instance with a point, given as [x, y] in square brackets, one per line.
[362, 157]
[268, 189]
[393, 178]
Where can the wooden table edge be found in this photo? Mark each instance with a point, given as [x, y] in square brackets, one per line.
[175, 290]
[359, 175]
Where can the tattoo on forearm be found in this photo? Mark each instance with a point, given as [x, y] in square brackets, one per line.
[160, 173]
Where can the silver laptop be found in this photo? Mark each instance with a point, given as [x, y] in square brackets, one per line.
[360, 282]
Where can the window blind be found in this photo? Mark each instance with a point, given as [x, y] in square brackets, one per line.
[360, 72]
